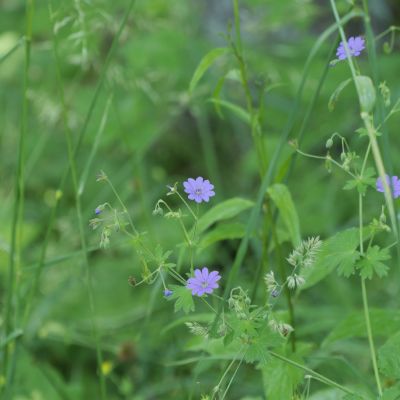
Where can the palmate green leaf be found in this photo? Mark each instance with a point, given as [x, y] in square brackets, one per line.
[389, 357]
[205, 64]
[227, 231]
[372, 262]
[184, 299]
[280, 379]
[282, 198]
[257, 350]
[339, 251]
[225, 210]
[383, 323]
[362, 183]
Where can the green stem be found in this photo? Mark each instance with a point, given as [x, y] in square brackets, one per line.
[73, 169]
[365, 302]
[370, 337]
[279, 259]
[367, 123]
[314, 374]
[18, 211]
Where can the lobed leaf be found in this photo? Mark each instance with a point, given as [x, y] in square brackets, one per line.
[184, 299]
[339, 251]
[388, 357]
[384, 322]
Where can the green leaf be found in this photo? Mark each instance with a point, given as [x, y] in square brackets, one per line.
[388, 357]
[372, 262]
[228, 231]
[282, 198]
[366, 91]
[237, 110]
[392, 393]
[335, 95]
[183, 297]
[339, 252]
[280, 378]
[383, 323]
[205, 64]
[362, 182]
[258, 346]
[225, 210]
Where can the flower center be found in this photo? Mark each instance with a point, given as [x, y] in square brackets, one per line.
[198, 191]
[204, 284]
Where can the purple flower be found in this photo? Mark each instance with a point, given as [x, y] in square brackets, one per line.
[97, 211]
[355, 44]
[199, 189]
[394, 184]
[167, 292]
[203, 282]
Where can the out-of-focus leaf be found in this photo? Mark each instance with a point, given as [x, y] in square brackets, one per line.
[366, 91]
[383, 323]
[241, 113]
[234, 230]
[205, 64]
[282, 198]
[335, 95]
[388, 357]
[280, 378]
[225, 210]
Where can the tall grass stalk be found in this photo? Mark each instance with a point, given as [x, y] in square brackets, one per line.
[78, 205]
[18, 211]
[36, 278]
[387, 191]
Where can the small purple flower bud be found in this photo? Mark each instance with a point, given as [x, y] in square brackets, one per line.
[97, 211]
[167, 292]
[275, 293]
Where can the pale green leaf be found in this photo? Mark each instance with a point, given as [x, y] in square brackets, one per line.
[282, 198]
[205, 64]
[227, 231]
[388, 357]
[339, 251]
[225, 210]
[383, 323]
[366, 92]
[335, 95]
[238, 111]
[183, 298]
[372, 262]
[280, 379]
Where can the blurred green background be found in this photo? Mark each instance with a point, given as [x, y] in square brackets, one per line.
[155, 133]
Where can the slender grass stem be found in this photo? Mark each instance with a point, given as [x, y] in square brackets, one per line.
[314, 374]
[365, 301]
[283, 275]
[367, 122]
[18, 211]
[36, 278]
[370, 337]
[73, 169]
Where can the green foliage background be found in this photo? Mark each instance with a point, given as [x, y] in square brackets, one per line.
[157, 133]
